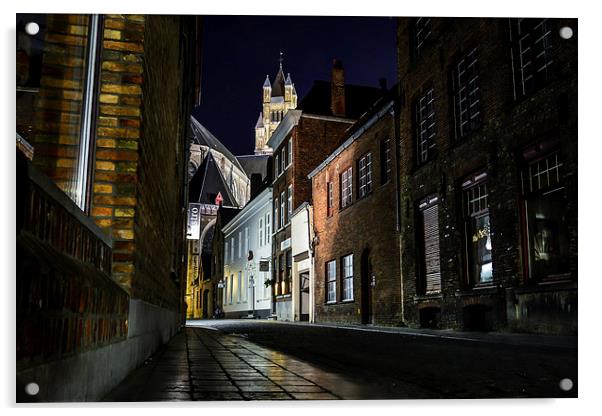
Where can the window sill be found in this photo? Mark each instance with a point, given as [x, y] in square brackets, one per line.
[332, 302]
[348, 301]
[428, 296]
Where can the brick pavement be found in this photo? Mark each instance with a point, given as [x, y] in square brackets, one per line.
[205, 364]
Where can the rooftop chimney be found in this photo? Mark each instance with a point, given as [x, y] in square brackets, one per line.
[337, 89]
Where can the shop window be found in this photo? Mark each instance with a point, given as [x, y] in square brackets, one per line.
[477, 229]
[545, 209]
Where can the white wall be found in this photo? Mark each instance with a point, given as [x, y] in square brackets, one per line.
[247, 223]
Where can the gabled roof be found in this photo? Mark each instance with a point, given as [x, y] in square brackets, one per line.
[254, 164]
[207, 182]
[358, 99]
[202, 136]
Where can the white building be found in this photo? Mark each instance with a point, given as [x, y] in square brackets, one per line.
[247, 252]
[302, 281]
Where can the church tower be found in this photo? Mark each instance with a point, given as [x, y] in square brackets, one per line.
[278, 97]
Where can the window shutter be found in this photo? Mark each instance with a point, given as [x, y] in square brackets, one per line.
[431, 249]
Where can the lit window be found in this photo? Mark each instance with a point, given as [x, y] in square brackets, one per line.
[531, 53]
[430, 270]
[348, 277]
[425, 127]
[545, 209]
[346, 187]
[465, 85]
[331, 281]
[477, 230]
[365, 175]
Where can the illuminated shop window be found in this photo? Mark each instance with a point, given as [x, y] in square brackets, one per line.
[477, 230]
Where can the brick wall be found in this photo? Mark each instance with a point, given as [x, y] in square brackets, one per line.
[368, 226]
[508, 125]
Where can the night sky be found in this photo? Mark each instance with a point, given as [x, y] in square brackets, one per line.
[239, 51]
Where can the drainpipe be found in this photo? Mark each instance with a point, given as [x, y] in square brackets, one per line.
[398, 104]
[311, 261]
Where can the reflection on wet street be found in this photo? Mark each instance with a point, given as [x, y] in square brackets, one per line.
[205, 364]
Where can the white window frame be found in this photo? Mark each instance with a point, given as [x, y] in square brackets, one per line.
[276, 216]
[239, 244]
[261, 232]
[282, 211]
[347, 277]
[268, 229]
[365, 175]
[231, 249]
[239, 287]
[331, 281]
[347, 187]
[425, 126]
[246, 241]
[277, 164]
[283, 158]
[290, 152]
[290, 202]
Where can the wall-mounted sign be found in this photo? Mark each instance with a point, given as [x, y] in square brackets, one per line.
[264, 265]
[193, 229]
[285, 244]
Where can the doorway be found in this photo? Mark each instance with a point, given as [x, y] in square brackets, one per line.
[304, 296]
[366, 288]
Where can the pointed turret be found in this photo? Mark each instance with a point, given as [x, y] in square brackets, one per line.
[267, 89]
[259, 124]
[288, 80]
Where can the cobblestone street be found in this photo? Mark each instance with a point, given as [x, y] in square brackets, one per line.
[204, 364]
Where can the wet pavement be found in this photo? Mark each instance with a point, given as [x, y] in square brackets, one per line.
[205, 364]
[266, 360]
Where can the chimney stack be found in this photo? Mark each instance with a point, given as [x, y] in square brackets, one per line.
[337, 89]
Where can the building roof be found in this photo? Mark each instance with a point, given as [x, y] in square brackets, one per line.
[278, 84]
[254, 164]
[225, 215]
[202, 136]
[207, 182]
[358, 99]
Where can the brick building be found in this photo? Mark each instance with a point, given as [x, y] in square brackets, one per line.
[488, 173]
[104, 102]
[301, 141]
[356, 223]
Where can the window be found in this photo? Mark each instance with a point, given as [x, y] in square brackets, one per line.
[231, 249]
[425, 127]
[385, 161]
[277, 165]
[283, 159]
[239, 244]
[545, 209]
[531, 54]
[290, 151]
[347, 277]
[421, 34]
[268, 230]
[276, 225]
[330, 198]
[477, 230]
[56, 76]
[465, 87]
[289, 271]
[331, 281]
[282, 209]
[226, 250]
[260, 232]
[365, 175]
[231, 287]
[346, 187]
[281, 274]
[239, 287]
[225, 300]
[246, 241]
[290, 202]
[430, 270]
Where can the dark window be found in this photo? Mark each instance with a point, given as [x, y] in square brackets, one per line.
[330, 198]
[385, 160]
[425, 127]
[281, 283]
[545, 210]
[531, 54]
[430, 270]
[346, 187]
[477, 230]
[421, 35]
[465, 85]
[364, 183]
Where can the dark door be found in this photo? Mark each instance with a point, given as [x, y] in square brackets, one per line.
[366, 286]
[206, 304]
[304, 295]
